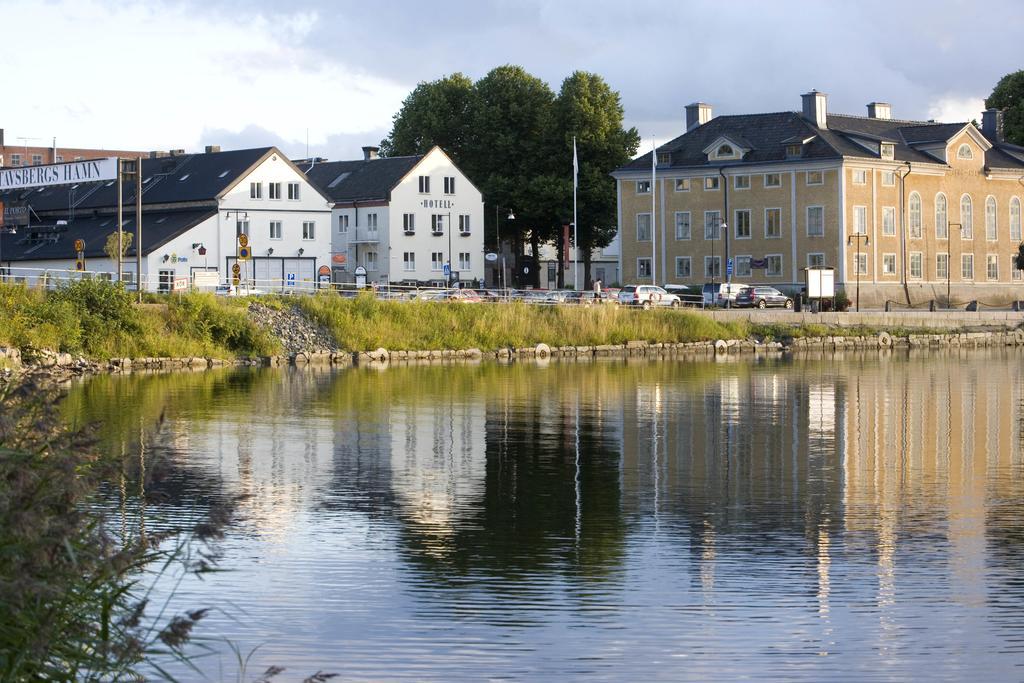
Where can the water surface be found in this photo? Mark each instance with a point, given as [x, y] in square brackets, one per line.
[849, 517]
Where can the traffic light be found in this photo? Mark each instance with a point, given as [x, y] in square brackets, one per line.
[1019, 258]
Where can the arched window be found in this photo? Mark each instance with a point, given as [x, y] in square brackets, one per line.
[964, 152]
[915, 215]
[1015, 219]
[967, 217]
[991, 230]
[941, 217]
[725, 151]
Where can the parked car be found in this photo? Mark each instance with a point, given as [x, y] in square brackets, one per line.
[589, 298]
[690, 296]
[237, 290]
[718, 293]
[647, 296]
[762, 297]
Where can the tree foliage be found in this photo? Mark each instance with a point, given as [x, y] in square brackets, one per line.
[512, 136]
[1009, 95]
[110, 247]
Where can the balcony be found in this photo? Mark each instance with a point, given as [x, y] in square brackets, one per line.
[364, 236]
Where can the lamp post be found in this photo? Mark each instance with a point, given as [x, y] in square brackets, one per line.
[448, 279]
[728, 275]
[857, 237]
[949, 258]
[497, 239]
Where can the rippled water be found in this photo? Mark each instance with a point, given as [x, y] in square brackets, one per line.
[855, 517]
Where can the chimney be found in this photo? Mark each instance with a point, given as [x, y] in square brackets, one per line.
[212, 149]
[815, 108]
[370, 153]
[176, 152]
[697, 114]
[992, 124]
[879, 110]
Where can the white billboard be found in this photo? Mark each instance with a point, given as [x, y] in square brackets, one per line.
[85, 171]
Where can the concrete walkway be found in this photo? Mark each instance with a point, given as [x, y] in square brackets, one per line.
[880, 319]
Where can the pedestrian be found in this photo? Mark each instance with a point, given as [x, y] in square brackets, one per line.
[597, 289]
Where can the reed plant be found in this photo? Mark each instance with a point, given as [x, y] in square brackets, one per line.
[364, 323]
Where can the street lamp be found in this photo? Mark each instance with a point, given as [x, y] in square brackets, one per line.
[858, 236]
[497, 239]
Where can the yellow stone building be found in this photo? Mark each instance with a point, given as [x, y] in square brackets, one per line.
[905, 211]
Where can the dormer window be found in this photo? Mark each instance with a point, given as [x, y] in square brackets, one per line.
[964, 151]
[664, 158]
[725, 151]
[794, 151]
[887, 150]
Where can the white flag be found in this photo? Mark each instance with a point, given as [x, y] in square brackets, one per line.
[575, 163]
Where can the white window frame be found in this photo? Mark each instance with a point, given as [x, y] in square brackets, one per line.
[712, 183]
[807, 225]
[449, 184]
[436, 261]
[465, 261]
[918, 258]
[650, 227]
[716, 227]
[767, 235]
[815, 258]
[680, 260]
[965, 260]
[371, 222]
[274, 191]
[424, 184]
[960, 152]
[343, 224]
[860, 263]
[641, 263]
[738, 270]
[308, 231]
[888, 221]
[888, 178]
[276, 234]
[942, 265]
[991, 219]
[887, 150]
[682, 184]
[768, 262]
[736, 224]
[436, 224]
[713, 266]
[255, 191]
[689, 225]
[409, 223]
[915, 221]
[990, 260]
[294, 193]
[941, 216]
[409, 261]
[464, 226]
[860, 220]
[776, 176]
[1015, 217]
[819, 175]
[736, 182]
[371, 260]
[889, 263]
[967, 225]
[860, 176]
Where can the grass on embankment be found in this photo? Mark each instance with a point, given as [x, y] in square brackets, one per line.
[99, 320]
[364, 323]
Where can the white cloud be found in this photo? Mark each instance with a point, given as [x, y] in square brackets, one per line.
[951, 109]
[156, 76]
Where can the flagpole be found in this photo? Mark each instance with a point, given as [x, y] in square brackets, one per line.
[654, 232]
[575, 241]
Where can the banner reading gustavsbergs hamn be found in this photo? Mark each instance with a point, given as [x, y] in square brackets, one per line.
[58, 174]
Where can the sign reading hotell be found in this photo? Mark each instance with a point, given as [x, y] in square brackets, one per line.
[438, 203]
[58, 174]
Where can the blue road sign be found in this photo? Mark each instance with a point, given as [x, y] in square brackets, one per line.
[728, 267]
[447, 269]
[291, 279]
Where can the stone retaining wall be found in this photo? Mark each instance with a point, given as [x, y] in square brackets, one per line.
[942, 320]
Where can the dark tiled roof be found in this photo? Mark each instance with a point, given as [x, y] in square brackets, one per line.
[184, 178]
[158, 227]
[768, 135]
[360, 180]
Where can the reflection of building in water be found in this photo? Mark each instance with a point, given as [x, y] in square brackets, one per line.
[437, 459]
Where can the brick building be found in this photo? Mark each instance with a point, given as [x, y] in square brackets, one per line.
[12, 155]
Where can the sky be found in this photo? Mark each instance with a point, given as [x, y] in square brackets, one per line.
[326, 77]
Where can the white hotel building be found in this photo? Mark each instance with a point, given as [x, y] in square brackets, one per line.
[402, 218]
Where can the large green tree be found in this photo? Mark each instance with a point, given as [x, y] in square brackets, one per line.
[589, 110]
[512, 136]
[435, 113]
[1009, 95]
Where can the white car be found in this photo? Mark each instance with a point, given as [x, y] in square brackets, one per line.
[647, 296]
